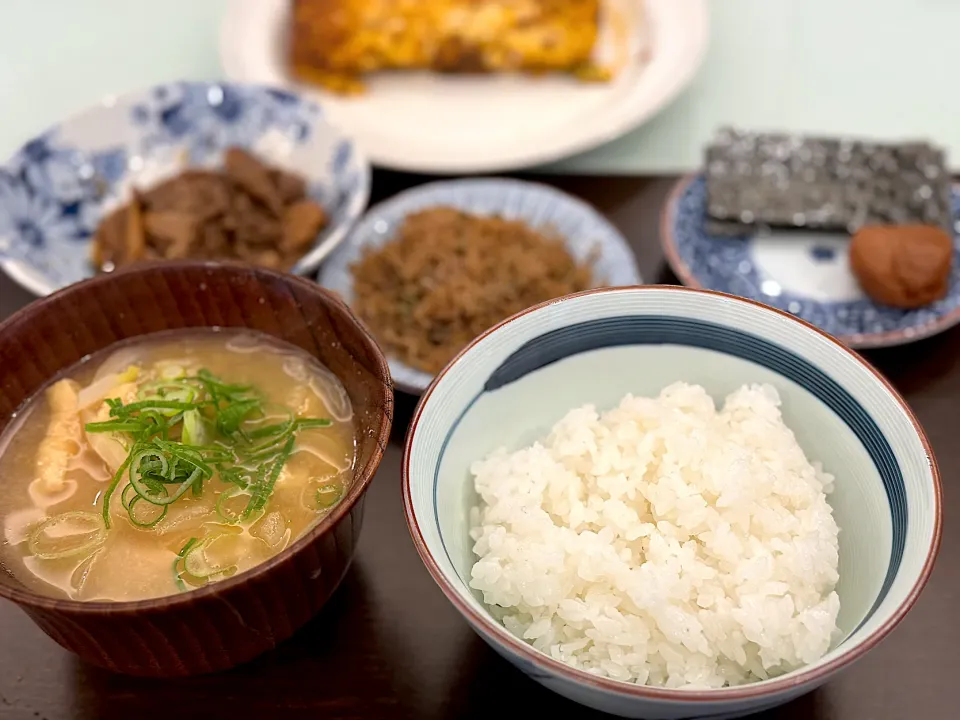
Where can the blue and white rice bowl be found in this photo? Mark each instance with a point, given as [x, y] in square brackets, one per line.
[514, 382]
[805, 273]
[584, 230]
[57, 188]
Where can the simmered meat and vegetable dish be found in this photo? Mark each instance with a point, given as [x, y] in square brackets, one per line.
[249, 211]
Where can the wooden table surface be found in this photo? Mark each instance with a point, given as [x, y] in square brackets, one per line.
[390, 645]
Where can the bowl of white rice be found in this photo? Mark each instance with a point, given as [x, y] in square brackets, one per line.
[669, 503]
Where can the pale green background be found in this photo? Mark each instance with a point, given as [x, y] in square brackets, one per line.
[874, 67]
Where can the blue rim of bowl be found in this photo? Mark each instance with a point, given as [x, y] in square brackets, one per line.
[387, 205]
[756, 690]
[20, 272]
[863, 341]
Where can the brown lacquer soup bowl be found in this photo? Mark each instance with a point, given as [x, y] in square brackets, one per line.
[225, 623]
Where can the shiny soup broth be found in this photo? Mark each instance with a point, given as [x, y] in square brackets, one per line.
[170, 462]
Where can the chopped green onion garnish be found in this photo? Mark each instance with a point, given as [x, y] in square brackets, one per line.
[186, 430]
[91, 534]
[194, 428]
[329, 495]
[307, 423]
[110, 490]
[229, 419]
[146, 518]
[177, 574]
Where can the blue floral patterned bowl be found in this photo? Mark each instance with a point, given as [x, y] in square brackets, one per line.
[56, 189]
[804, 273]
[585, 231]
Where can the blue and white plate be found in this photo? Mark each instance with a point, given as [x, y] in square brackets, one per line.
[540, 206]
[56, 189]
[805, 273]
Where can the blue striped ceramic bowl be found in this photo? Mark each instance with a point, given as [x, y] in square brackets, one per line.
[515, 381]
[584, 229]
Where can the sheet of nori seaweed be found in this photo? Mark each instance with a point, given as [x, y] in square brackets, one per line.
[780, 180]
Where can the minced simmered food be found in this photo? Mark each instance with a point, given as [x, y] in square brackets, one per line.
[448, 276]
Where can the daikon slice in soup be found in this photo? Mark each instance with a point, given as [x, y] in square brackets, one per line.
[171, 462]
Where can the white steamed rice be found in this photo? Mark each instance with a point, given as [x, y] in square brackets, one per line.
[663, 542]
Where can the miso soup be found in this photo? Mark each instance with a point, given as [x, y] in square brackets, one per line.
[171, 462]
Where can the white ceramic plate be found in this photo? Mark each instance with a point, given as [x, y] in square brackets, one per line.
[457, 124]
